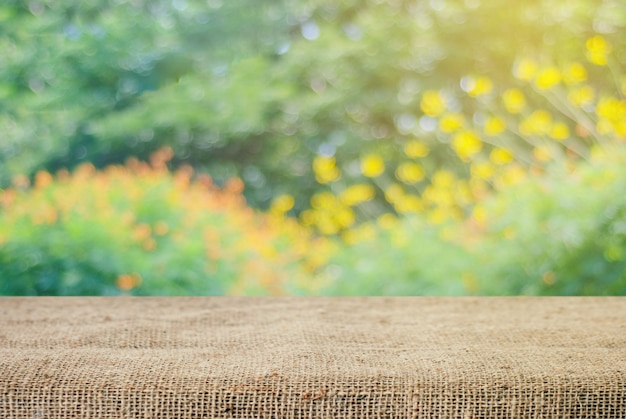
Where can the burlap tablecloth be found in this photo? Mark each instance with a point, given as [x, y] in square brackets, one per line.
[226, 357]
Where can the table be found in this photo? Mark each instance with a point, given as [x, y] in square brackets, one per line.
[312, 357]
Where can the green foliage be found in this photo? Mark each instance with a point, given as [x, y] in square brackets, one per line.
[560, 233]
[405, 258]
[139, 229]
[102, 81]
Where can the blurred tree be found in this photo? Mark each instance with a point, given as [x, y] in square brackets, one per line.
[260, 89]
[103, 80]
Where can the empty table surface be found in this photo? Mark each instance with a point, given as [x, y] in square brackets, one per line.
[313, 357]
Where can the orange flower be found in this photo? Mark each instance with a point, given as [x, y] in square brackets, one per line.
[126, 282]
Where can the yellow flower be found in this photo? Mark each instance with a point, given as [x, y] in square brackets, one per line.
[494, 126]
[604, 126]
[483, 86]
[438, 216]
[620, 129]
[372, 165]
[597, 153]
[574, 73]
[525, 69]
[597, 50]
[282, 204]
[325, 169]
[410, 173]
[500, 156]
[344, 217]
[611, 108]
[480, 214]
[415, 149]
[355, 194]
[324, 200]
[326, 225]
[308, 217]
[542, 153]
[408, 203]
[548, 78]
[560, 131]
[612, 113]
[514, 174]
[360, 234]
[443, 179]
[463, 193]
[443, 197]
[432, 103]
[581, 97]
[387, 221]
[393, 193]
[466, 144]
[514, 100]
[479, 188]
[451, 122]
[479, 86]
[482, 170]
[538, 123]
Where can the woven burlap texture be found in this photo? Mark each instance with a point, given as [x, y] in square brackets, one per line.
[312, 357]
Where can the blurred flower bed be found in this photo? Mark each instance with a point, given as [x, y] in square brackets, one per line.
[537, 206]
[560, 232]
[141, 229]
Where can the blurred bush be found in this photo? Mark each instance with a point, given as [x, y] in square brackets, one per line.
[142, 230]
[393, 256]
[533, 204]
[559, 233]
[103, 80]
[562, 232]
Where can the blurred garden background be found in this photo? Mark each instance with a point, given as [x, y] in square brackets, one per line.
[322, 147]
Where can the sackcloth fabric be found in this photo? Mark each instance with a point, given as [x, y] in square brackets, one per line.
[312, 357]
